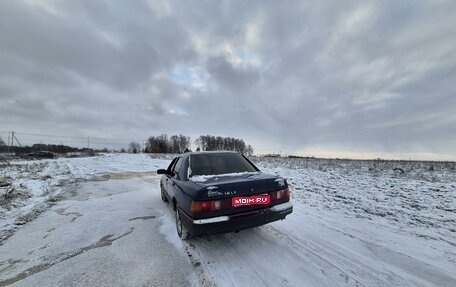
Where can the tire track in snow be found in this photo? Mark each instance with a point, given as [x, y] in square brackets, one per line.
[347, 272]
[254, 258]
[103, 242]
[386, 268]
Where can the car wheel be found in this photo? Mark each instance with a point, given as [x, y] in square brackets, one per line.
[163, 195]
[181, 230]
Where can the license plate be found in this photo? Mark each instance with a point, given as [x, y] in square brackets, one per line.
[250, 200]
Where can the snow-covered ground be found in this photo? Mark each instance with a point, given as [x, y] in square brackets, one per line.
[36, 185]
[354, 224]
[426, 208]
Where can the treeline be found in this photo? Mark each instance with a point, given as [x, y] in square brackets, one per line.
[41, 147]
[181, 143]
[163, 144]
[211, 143]
[154, 144]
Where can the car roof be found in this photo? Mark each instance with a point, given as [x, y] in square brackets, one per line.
[207, 152]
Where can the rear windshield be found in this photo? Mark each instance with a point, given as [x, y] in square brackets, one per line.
[212, 164]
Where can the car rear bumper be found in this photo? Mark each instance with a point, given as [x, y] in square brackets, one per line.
[235, 222]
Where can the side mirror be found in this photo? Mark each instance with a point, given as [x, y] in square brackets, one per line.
[161, 171]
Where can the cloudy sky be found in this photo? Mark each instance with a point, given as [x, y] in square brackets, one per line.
[326, 78]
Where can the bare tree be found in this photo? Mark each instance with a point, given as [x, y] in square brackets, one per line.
[208, 143]
[134, 147]
[174, 144]
[158, 144]
[2, 143]
[184, 143]
[163, 144]
[248, 150]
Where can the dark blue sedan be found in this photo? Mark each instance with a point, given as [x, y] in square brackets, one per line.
[215, 192]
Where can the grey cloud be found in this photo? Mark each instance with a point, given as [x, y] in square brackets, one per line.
[237, 80]
[355, 76]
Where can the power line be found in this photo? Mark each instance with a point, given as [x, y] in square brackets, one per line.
[46, 135]
[53, 139]
[83, 142]
[65, 136]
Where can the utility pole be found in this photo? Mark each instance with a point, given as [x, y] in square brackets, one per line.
[13, 137]
[9, 145]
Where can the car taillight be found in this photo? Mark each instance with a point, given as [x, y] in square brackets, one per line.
[203, 206]
[280, 194]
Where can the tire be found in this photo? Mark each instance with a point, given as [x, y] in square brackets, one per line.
[181, 230]
[163, 195]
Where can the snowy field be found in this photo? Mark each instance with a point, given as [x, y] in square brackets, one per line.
[100, 221]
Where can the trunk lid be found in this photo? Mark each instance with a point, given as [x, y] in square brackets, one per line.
[224, 188]
[247, 184]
